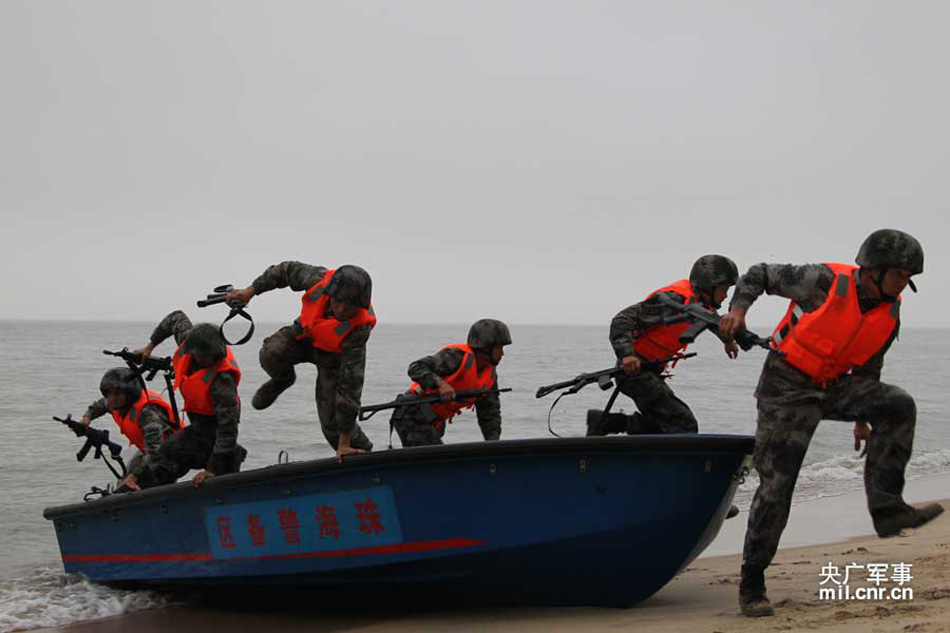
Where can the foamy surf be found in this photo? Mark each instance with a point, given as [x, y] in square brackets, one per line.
[49, 598]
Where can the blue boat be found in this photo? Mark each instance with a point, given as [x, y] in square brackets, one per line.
[573, 521]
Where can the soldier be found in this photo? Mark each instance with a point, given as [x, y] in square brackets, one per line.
[143, 416]
[331, 332]
[455, 368]
[207, 377]
[826, 364]
[638, 333]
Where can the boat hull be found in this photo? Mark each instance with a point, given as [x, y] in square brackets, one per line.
[586, 521]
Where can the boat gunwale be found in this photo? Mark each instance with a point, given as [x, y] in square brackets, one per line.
[685, 443]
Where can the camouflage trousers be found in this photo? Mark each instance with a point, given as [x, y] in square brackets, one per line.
[190, 448]
[659, 407]
[281, 351]
[417, 425]
[788, 413]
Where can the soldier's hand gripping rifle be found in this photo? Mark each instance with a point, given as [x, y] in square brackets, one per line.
[604, 378]
[95, 439]
[146, 369]
[368, 411]
[703, 319]
[220, 295]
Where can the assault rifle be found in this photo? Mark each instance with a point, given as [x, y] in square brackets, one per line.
[703, 319]
[368, 411]
[605, 377]
[95, 439]
[220, 295]
[146, 369]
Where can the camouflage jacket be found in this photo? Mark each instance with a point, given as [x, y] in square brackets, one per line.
[224, 391]
[808, 286]
[631, 322]
[352, 358]
[445, 363]
[153, 422]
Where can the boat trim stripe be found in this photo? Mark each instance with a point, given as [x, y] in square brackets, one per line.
[400, 548]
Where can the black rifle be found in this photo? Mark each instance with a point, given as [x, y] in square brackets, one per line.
[703, 319]
[95, 439]
[605, 377]
[220, 295]
[146, 369]
[406, 399]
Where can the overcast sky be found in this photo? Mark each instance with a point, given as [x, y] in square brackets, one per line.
[537, 162]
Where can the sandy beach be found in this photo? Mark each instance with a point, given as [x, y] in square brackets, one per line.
[703, 598]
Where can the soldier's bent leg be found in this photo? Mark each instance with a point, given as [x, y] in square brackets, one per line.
[279, 353]
[659, 407]
[414, 427]
[186, 449]
[892, 414]
[326, 395]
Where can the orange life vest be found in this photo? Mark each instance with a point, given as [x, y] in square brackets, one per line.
[465, 378]
[324, 332]
[129, 423]
[828, 342]
[661, 340]
[195, 388]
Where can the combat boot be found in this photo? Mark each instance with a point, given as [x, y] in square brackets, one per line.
[267, 393]
[890, 522]
[753, 601]
[599, 423]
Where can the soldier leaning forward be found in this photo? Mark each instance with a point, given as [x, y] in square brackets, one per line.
[828, 353]
[638, 333]
[455, 368]
[335, 322]
[143, 416]
[207, 377]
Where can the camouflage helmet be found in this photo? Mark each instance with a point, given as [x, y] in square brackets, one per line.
[351, 284]
[486, 333]
[890, 248]
[123, 379]
[713, 270]
[205, 340]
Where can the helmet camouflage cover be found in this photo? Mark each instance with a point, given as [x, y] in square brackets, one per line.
[205, 340]
[351, 284]
[486, 333]
[713, 270]
[890, 248]
[123, 379]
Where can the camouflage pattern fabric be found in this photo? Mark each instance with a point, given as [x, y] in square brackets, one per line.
[417, 424]
[154, 423]
[790, 406]
[212, 445]
[340, 377]
[658, 405]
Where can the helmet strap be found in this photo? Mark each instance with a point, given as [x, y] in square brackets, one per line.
[879, 283]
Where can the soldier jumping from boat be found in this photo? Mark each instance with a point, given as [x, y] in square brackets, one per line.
[207, 377]
[331, 332]
[452, 369]
[828, 353]
[639, 333]
[143, 416]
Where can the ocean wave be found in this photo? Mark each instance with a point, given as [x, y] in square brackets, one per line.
[842, 474]
[49, 598]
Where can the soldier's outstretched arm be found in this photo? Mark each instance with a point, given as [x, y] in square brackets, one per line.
[295, 275]
[175, 324]
[97, 409]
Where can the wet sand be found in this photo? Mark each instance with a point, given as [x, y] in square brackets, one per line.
[703, 598]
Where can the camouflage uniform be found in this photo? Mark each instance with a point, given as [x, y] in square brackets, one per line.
[209, 442]
[660, 411]
[154, 423]
[790, 406]
[416, 424]
[340, 376]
